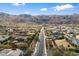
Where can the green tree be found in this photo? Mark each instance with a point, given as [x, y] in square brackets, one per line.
[28, 52]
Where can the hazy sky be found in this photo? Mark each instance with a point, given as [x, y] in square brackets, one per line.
[39, 8]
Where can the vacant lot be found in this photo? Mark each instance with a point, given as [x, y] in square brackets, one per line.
[64, 43]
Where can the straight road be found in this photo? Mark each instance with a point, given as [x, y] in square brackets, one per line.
[40, 49]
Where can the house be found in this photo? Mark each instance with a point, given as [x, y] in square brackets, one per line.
[57, 35]
[10, 52]
[3, 37]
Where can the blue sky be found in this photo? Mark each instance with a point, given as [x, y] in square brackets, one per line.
[39, 8]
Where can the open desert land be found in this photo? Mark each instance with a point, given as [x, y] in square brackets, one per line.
[64, 43]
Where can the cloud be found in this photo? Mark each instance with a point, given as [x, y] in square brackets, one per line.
[63, 7]
[18, 4]
[43, 9]
[27, 12]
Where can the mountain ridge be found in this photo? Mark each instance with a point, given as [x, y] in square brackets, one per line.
[41, 19]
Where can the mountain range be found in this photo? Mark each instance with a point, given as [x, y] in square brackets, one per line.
[40, 19]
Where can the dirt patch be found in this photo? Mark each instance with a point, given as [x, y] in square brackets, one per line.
[64, 43]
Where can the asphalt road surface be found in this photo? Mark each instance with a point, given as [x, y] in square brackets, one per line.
[40, 49]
